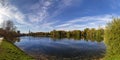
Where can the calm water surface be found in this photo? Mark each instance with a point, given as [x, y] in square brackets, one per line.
[61, 48]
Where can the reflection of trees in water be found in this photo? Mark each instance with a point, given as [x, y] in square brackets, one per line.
[79, 38]
[86, 55]
[17, 39]
[87, 34]
[94, 56]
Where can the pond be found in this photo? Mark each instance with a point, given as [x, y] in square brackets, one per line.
[61, 49]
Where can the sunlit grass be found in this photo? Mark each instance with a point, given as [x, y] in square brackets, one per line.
[8, 51]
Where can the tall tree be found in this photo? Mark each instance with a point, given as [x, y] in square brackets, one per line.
[8, 25]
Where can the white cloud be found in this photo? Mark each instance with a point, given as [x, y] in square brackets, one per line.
[41, 14]
[42, 9]
[62, 5]
[87, 22]
[40, 18]
[105, 18]
[67, 2]
[10, 12]
[63, 25]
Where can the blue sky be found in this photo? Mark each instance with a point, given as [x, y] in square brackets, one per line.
[47, 15]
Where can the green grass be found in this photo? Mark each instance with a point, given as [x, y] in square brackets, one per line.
[9, 51]
[115, 57]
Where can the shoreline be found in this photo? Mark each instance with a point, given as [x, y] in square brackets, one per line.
[10, 52]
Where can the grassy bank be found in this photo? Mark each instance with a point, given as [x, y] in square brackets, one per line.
[8, 51]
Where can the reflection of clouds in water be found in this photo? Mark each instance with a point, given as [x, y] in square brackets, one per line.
[79, 44]
[59, 47]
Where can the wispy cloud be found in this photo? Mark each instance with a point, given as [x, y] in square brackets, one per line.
[42, 8]
[62, 5]
[86, 22]
[38, 16]
[10, 12]
[42, 15]
[93, 18]
[41, 11]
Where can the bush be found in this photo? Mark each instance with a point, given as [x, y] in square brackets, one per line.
[112, 40]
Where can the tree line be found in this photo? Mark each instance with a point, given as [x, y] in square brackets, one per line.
[91, 34]
[8, 30]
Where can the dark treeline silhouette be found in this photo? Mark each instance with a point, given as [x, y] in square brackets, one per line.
[91, 34]
[40, 34]
[8, 30]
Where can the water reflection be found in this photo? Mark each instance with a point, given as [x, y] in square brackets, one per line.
[98, 39]
[55, 49]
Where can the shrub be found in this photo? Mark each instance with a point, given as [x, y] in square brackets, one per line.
[112, 40]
